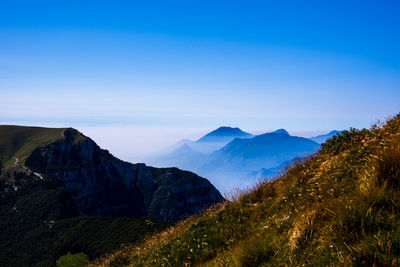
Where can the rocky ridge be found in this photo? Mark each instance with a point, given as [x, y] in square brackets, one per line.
[104, 185]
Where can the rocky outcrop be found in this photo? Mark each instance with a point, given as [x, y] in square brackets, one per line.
[104, 185]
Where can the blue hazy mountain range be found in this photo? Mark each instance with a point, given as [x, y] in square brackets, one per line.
[230, 157]
[206, 144]
[263, 151]
[271, 172]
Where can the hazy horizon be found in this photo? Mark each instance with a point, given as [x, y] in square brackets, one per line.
[174, 70]
[136, 143]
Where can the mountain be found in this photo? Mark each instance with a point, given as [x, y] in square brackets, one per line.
[339, 207]
[173, 147]
[52, 177]
[184, 157]
[228, 163]
[190, 155]
[105, 184]
[322, 138]
[281, 131]
[223, 134]
[270, 173]
[241, 156]
[217, 139]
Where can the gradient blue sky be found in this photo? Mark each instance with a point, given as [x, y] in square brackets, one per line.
[155, 66]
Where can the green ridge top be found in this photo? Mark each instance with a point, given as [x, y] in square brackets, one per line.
[20, 141]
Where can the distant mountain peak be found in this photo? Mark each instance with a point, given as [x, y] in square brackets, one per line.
[223, 133]
[334, 132]
[225, 130]
[184, 148]
[280, 131]
[322, 138]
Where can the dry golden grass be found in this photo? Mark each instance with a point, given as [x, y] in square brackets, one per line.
[338, 208]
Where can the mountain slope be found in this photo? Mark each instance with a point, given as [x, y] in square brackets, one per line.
[217, 139]
[51, 175]
[190, 155]
[271, 172]
[338, 208]
[228, 166]
[183, 157]
[20, 141]
[263, 151]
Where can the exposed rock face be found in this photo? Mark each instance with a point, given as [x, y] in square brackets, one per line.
[105, 185]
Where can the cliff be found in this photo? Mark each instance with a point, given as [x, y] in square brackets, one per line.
[61, 193]
[104, 185]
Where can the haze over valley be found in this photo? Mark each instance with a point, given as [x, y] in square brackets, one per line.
[233, 159]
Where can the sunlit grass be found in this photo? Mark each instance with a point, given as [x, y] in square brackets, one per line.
[340, 207]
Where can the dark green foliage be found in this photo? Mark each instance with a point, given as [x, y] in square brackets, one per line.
[389, 168]
[179, 190]
[40, 222]
[73, 260]
[255, 252]
[38, 230]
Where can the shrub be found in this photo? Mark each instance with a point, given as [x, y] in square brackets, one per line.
[389, 168]
[257, 251]
[73, 260]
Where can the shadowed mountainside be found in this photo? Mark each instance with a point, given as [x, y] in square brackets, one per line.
[51, 175]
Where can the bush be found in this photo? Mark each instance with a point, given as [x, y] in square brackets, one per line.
[389, 168]
[255, 252]
[73, 260]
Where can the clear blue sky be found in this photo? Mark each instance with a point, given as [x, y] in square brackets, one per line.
[302, 65]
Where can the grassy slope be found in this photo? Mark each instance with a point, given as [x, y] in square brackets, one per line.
[20, 141]
[25, 139]
[340, 207]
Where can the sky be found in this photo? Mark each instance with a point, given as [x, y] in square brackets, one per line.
[139, 75]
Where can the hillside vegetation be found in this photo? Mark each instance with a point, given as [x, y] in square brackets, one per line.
[61, 193]
[20, 141]
[340, 207]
